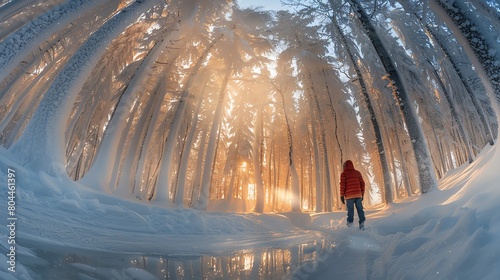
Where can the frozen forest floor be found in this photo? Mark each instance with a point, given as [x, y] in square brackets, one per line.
[449, 233]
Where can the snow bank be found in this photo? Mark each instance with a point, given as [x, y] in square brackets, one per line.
[451, 233]
[63, 214]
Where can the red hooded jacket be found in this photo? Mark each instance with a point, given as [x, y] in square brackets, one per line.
[351, 182]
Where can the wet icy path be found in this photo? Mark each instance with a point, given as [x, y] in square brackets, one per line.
[351, 254]
[251, 263]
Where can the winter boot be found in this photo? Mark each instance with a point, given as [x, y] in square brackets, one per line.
[362, 226]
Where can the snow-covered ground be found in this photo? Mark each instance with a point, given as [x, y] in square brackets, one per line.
[451, 233]
[66, 231]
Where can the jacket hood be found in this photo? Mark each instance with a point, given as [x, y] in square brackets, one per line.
[348, 165]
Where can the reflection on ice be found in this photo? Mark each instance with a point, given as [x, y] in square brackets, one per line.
[262, 263]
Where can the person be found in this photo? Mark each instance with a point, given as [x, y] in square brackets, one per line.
[352, 191]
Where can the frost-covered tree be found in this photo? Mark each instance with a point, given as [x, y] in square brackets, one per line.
[241, 48]
[336, 29]
[480, 36]
[423, 158]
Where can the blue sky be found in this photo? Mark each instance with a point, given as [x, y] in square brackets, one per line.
[266, 4]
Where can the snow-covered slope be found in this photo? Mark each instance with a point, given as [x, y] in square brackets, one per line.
[451, 233]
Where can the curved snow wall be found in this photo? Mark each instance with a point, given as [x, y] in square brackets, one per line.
[187, 102]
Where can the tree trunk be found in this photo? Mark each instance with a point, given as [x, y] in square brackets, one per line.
[163, 185]
[181, 175]
[388, 196]
[196, 187]
[475, 102]
[292, 171]
[108, 155]
[259, 185]
[426, 173]
[478, 42]
[314, 105]
[47, 153]
[320, 190]
[204, 197]
[454, 114]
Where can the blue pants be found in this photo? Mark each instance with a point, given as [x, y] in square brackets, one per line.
[350, 210]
